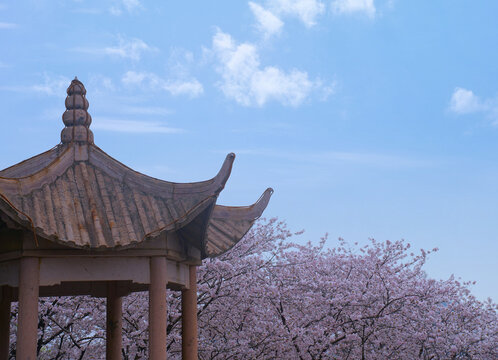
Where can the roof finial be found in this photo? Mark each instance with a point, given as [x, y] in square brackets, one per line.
[76, 117]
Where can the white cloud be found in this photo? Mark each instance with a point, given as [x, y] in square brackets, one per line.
[267, 22]
[129, 6]
[354, 6]
[131, 49]
[190, 87]
[249, 84]
[305, 10]
[127, 49]
[101, 83]
[133, 126]
[5, 25]
[464, 101]
[51, 86]
[132, 5]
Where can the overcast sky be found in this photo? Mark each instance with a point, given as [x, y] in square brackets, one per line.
[369, 118]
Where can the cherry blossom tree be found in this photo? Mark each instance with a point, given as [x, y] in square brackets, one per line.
[271, 298]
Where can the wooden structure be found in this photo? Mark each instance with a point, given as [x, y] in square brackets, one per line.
[74, 221]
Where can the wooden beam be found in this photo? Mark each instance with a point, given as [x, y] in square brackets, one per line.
[114, 324]
[29, 274]
[189, 318]
[5, 323]
[157, 308]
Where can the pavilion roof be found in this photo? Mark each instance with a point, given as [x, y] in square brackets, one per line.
[77, 195]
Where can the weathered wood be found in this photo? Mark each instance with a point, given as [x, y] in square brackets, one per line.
[114, 322]
[49, 207]
[57, 168]
[228, 224]
[73, 206]
[157, 212]
[58, 214]
[141, 212]
[94, 210]
[85, 221]
[66, 213]
[189, 317]
[157, 308]
[125, 213]
[31, 165]
[108, 209]
[28, 309]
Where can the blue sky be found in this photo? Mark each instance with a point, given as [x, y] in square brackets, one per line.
[369, 118]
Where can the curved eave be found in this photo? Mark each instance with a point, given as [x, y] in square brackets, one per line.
[228, 224]
[114, 168]
[32, 165]
[150, 206]
[32, 180]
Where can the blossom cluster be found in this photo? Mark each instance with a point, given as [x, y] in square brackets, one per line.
[271, 298]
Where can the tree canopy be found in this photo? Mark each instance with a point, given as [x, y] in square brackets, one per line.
[272, 298]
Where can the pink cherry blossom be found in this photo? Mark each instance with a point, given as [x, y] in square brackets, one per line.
[271, 298]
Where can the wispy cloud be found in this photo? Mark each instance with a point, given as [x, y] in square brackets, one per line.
[267, 22]
[464, 101]
[354, 6]
[89, 11]
[132, 49]
[248, 83]
[101, 84]
[51, 86]
[305, 10]
[346, 157]
[6, 25]
[134, 126]
[130, 6]
[146, 110]
[190, 87]
[372, 159]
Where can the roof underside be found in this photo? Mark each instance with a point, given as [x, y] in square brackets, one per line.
[101, 203]
[229, 224]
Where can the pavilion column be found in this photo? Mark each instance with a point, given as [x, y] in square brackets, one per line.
[29, 279]
[189, 317]
[157, 308]
[114, 322]
[5, 323]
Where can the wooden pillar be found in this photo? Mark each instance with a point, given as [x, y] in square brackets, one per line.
[114, 322]
[157, 308]
[5, 323]
[189, 317]
[29, 279]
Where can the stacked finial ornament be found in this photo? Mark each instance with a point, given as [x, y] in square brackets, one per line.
[76, 117]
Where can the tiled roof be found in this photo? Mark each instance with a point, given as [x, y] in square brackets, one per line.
[77, 195]
[229, 224]
[102, 203]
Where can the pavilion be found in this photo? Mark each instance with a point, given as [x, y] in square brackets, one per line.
[75, 221]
